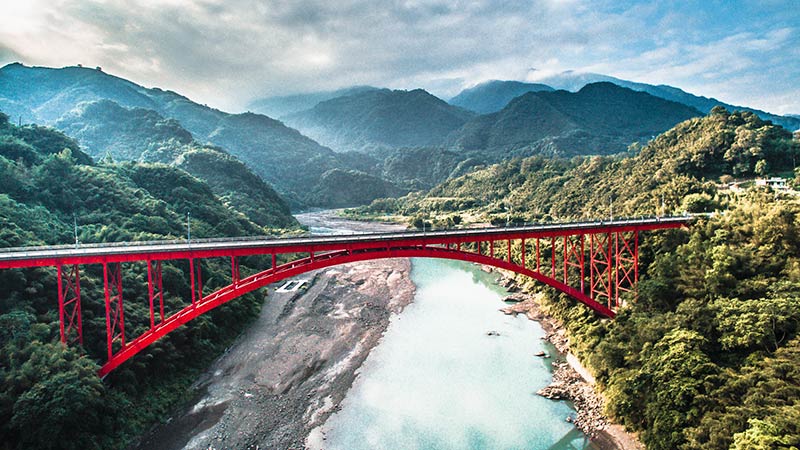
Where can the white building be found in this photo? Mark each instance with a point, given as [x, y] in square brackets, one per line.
[776, 183]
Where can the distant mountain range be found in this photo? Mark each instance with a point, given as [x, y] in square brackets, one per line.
[601, 118]
[492, 96]
[573, 81]
[283, 157]
[284, 105]
[356, 143]
[375, 120]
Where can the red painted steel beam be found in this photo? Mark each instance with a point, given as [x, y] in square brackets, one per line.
[134, 253]
[297, 267]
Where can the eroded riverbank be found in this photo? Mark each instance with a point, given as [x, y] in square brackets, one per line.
[572, 381]
[285, 375]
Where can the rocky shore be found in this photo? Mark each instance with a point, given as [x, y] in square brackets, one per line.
[571, 381]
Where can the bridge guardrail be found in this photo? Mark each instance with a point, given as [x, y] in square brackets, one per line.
[17, 252]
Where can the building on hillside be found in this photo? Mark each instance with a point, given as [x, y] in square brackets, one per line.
[777, 183]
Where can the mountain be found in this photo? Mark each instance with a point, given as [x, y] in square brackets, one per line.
[284, 105]
[278, 154]
[573, 81]
[601, 118]
[106, 129]
[673, 165]
[494, 95]
[377, 120]
[359, 188]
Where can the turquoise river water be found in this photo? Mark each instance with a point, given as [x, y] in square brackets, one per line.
[439, 381]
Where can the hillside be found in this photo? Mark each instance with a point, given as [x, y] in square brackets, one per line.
[492, 96]
[574, 81]
[283, 105]
[707, 355]
[601, 118]
[51, 395]
[677, 163]
[106, 129]
[377, 120]
[279, 155]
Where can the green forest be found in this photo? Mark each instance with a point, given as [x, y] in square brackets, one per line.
[708, 354]
[50, 395]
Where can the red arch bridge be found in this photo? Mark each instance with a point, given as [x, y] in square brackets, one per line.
[593, 262]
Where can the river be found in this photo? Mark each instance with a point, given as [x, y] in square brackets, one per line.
[452, 372]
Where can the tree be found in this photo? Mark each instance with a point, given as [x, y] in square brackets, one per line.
[762, 168]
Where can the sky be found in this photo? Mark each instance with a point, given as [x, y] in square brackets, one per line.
[225, 53]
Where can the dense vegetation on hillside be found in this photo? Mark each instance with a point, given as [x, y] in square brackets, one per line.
[691, 158]
[281, 156]
[601, 118]
[708, 356]
[50, 396]
[106, 129]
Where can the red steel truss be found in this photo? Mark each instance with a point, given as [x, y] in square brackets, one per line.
[563, 256]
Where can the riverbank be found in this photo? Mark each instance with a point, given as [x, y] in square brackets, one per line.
[293, 367]
[572, 381]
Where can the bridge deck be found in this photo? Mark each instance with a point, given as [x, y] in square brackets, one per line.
[102, 252]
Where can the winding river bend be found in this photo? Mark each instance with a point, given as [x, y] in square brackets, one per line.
[451, 372]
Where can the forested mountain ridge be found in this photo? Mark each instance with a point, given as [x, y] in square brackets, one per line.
[492, 96]
[574, 81]
[707, 356]
[50, 395]
[687, 159]
[601, 118]
[281, 156]
[106, 129]
[375, 120]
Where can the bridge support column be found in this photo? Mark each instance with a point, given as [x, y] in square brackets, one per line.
[155, 288]
[115, 313]
[627, 263]
[69, 305]
[235, 274]
[600, 268]
[196, 280]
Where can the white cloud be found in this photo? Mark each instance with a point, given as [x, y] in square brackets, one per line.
[227, 52]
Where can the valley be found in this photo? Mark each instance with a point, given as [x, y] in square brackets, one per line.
[703, 354]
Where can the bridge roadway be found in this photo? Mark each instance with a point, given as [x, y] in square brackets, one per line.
[209, 248]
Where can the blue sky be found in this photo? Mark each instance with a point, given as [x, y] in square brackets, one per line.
[227, 52]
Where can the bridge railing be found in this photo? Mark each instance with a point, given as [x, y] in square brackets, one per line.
[544, 226]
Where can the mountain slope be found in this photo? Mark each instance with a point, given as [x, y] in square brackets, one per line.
[136, 134]
[492, 96]
[377, 120]
[574, 81]
[672, 166]
[601, 118]
[278, 154]
[284, 105]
